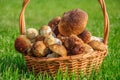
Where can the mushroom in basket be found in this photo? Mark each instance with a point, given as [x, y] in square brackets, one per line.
[97, 45]
[58, 49]
[50, 38]
[54, 24]
[39, 49]
[76, 46]
[22, 44]
[45, 31]
[73, 22]
[31, 33]
[85, 36]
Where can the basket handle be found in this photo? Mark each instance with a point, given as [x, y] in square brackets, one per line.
[22, 27]
[106, 21]
[103, 7]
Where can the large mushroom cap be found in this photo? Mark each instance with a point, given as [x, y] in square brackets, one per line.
[73, 22]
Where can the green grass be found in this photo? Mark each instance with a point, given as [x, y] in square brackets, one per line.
[38, 13]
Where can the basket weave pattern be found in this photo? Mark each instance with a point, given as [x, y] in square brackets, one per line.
[82, 62]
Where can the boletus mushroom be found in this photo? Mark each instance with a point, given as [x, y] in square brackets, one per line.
[58, 49]
[22, 44]
[73, 22]
[54, 24]
[39, 49]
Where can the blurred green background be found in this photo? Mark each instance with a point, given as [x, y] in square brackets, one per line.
[40, 12]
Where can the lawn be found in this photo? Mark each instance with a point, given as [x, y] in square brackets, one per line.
[40, 12]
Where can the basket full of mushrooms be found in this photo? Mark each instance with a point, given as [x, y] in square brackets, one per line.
[63, 44]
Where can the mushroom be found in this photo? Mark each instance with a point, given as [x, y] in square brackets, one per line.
[31, 34]
[75, 46]
[39, 49]
[81, 49]
[58, 49]
[73, 22]
[71, 40]
[85, 36]
[54, 24]
[45, 31]
[51, 40]
[22, 44]
[97, 45]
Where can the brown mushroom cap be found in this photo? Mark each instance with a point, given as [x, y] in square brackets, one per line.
[39, 38]
[73, 22]
[58, 49]
[97, 45]
[81, 49]
[22, 44]
[39, 49]
[54, 24]
[76, 46]
[85, 36]
[71, 40]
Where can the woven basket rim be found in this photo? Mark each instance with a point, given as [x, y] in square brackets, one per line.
[72, 57]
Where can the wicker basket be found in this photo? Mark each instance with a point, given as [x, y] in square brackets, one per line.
[85, 63]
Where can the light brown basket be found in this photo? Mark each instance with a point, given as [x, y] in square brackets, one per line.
[85, 63]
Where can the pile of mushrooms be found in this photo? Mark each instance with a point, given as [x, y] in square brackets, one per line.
[63, 36]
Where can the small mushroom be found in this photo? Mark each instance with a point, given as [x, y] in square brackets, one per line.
[71, 40]
[54, 24]
[31, 34]
[49, 40]
[88, 49]
[97, 45]
[80, 49]
[45, 31]
[39, 49]
[73, 22]
[85, 36]
[22, 44]
[58, 49]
